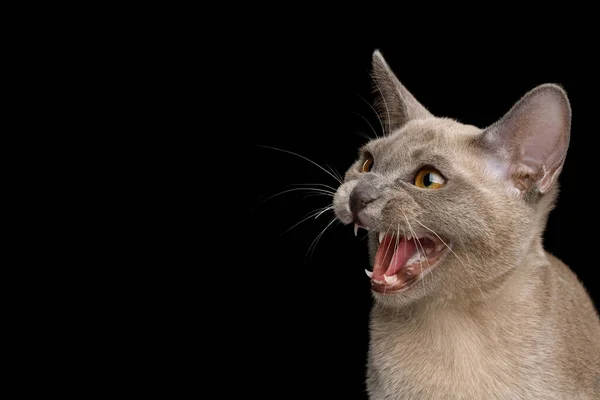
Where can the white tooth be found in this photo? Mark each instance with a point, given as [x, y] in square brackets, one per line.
[412, 260]
[379, 282]
[381, 236]
[366, 228]
[369, 273]
[390, 279]
[408, 237]
[355, 229]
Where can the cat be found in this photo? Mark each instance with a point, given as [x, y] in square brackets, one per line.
[467, 303]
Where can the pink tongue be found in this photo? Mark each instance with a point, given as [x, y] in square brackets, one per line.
[391, 257]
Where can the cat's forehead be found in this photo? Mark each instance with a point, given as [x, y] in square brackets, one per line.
[425, 134]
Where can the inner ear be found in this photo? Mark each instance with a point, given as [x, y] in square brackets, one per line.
[532, 138]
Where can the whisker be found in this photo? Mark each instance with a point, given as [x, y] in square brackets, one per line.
[421, 265]
[398, 235]
[376, 229]
[422, 251]
[384, 257]
[361, 133]
[315, 190]
[457, 257]
[368, 123]
[311, 214]
[316, 184]
[304, 158]
[316, 194]
[397, 241]
[387, 249]
[335, 172]
[326, 209]
[376, 113]
[314, 243]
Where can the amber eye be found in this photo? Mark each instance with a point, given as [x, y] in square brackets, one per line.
[368, 164]
[429, 178]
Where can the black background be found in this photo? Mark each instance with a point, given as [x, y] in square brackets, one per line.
[305, 314]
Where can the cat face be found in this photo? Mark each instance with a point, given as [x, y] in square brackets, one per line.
[451, 208]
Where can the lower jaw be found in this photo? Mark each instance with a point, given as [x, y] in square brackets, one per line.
[408, 275]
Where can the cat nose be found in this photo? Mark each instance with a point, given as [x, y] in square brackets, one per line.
[362, 195]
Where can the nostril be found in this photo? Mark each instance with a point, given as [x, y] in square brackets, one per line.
[361, 196]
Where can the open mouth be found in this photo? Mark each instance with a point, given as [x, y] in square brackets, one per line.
[402, 260]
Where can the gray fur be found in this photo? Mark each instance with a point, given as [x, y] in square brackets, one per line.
[499, 318]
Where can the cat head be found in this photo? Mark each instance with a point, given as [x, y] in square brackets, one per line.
[450, 208]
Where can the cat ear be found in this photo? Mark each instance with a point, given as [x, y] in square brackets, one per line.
[396, 105]
[531, 140]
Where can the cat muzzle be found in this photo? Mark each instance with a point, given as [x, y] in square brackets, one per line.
[403, 259]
